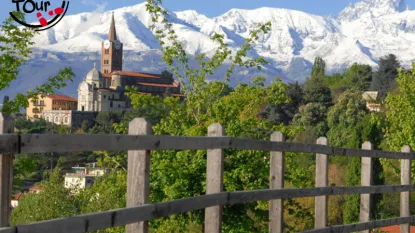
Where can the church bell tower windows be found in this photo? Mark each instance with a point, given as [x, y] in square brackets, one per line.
[112, 51]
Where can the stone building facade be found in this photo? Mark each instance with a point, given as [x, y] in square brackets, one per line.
[68, 118]
[104, 90]
[50, 102]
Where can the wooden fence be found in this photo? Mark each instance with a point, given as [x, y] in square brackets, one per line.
[140, 141]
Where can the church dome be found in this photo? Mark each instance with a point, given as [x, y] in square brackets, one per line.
[94, 75]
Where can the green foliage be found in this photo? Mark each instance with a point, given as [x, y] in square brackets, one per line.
[312, 117]
[15, 45]
[319, 67]
[357, 77]
[15, 49]
[384, 78]
[104, 122]
[400, 126]
[108, 192]
[284, 113]
[350, 125]
[316, 91]
[54, 201]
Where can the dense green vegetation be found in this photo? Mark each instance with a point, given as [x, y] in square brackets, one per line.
[324, 105]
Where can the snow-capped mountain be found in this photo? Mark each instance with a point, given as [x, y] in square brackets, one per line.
[361, 33]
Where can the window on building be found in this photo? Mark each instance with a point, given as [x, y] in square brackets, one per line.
[111, 104]
[66, 120]
[42, 102]
[47, 118]
[119, 105]
[56, 119]
[107, 51]
[36, 116]
[105, 96]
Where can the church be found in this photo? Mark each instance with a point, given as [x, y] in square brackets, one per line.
[103, 90]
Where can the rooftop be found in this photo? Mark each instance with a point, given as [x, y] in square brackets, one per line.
[175, 84]
[61, 97]
[132, 74]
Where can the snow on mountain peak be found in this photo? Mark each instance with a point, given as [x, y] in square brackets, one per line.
[362, 33]
[374, 7]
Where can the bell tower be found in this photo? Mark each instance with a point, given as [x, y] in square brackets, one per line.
[111, 51]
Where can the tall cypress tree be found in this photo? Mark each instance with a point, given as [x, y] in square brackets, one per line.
[319, 68]
[384, 78]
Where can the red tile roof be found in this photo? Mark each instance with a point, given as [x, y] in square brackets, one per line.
[133, 74]
[62, 97]
[35, 188]
[17, 196]
[145, 93]
[396, 229]
[158, 84]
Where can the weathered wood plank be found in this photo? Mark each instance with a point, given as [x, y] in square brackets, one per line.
[405, 196]
[214, 181]
[320, 206]
[138, 181]
[9, 144]
[6, 176]
[276, 207]
[148, 212]
[366, 180]
[42, 143]
[8, 230]
[266, 195]
[120, 217]
[364, 226]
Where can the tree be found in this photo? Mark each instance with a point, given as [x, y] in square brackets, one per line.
[312, 118]
[319, 68]
[384, 77]
[400, 126]
[284, 113]
[54, 201]
[104, 122]
[349, 126]
[15, 47]
[358, 76]
[316, 91]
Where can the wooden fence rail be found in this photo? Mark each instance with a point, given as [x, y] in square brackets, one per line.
[46, 143]
[140, 141]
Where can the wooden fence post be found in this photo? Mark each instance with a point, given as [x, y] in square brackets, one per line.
[320, 219]
[6, 166]
[214, 181]
[138, 180]
[276, 207]
[366, 180]
[405, 196]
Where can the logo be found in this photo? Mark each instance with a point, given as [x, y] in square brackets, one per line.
[43, 10]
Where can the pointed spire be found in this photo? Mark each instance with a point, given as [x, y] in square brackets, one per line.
[112, 36]
[95, 65]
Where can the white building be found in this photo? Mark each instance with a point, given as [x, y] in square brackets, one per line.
[83, 177]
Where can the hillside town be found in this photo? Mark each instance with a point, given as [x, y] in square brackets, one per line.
[136, 119]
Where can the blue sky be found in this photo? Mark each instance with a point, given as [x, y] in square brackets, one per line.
[210, 7]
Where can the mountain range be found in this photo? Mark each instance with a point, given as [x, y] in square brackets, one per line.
[363, 32]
